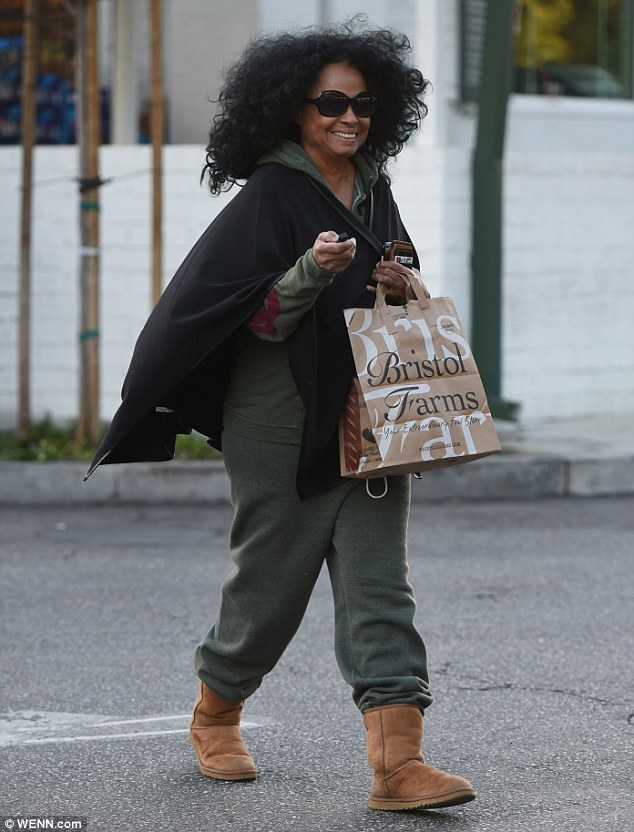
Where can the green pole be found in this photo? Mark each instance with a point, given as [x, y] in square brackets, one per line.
[486, 245]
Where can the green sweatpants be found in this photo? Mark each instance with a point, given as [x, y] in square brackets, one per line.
[278, 546]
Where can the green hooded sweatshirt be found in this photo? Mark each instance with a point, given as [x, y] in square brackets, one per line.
[262, 401]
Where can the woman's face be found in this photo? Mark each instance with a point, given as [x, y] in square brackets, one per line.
[332, 139]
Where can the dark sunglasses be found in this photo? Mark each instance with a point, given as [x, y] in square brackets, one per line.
[332, 103]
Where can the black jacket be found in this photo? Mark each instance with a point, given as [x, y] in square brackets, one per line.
[182, 359]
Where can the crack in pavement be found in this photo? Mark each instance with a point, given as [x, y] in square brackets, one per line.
[486, 685]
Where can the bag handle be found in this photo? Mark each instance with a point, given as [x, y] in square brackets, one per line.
[415, 290]
[376, 496]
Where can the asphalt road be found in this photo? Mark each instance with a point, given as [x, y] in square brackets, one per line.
[527, 609]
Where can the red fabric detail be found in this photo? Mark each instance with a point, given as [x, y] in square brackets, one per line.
[264, 319]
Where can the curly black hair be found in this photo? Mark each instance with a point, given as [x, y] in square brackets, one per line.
[265, 89]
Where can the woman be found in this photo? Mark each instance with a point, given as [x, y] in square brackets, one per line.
[248, 345]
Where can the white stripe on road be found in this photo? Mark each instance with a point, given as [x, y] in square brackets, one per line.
[143, 719]
[89, 737]
[20, 728]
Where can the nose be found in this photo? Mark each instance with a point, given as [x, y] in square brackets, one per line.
[349, 114]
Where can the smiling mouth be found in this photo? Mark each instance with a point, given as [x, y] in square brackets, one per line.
[345, 135]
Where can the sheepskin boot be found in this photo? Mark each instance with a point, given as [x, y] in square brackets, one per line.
[402, 778]
[215, 736]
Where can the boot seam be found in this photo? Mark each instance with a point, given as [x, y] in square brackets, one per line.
[197, 704]
[384, 777]
[396, 771]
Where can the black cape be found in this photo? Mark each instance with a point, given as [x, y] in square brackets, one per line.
[180, 367]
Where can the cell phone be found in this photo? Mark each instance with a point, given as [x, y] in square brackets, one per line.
[400, 251]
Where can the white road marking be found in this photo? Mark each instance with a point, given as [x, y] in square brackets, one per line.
[91, 737]
[145, 719]
[19, 728]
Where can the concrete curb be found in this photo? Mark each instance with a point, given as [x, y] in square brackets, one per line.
[505, 476]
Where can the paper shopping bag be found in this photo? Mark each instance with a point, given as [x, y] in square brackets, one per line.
[418, 402]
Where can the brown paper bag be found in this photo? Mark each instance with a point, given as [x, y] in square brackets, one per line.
[418, 402]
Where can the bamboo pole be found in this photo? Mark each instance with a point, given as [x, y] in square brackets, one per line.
[157, 120]
[28, 132]
[89, 127]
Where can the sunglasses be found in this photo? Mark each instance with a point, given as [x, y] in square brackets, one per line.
[332, 103]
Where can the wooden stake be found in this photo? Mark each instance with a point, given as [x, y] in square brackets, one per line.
[28, 131]
[89, 129]
[157, 118]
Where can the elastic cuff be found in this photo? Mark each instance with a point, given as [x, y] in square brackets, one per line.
[314, 271]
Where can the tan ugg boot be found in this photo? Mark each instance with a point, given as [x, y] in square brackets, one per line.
[215, 736]
[402, 778]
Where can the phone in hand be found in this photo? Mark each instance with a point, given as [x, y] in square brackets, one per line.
[400, 251]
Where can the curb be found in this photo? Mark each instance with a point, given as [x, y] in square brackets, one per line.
[505, 476]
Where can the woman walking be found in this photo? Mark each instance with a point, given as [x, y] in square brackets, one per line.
[248, 345]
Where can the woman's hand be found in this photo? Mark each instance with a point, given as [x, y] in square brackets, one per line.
[332, 256]
[391, 275]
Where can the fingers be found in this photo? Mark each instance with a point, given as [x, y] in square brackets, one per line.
[333, 256]
[333, 253]
[391, 276]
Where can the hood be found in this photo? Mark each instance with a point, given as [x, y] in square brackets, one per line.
[293, 155]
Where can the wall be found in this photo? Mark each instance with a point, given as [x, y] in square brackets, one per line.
[194, 64]
[568, 288]
[568, 253]
[125, 265]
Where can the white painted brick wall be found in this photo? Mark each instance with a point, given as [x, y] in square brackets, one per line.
[569, 288]
[569, 263]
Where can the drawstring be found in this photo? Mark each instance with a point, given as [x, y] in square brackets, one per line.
[376, 496]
